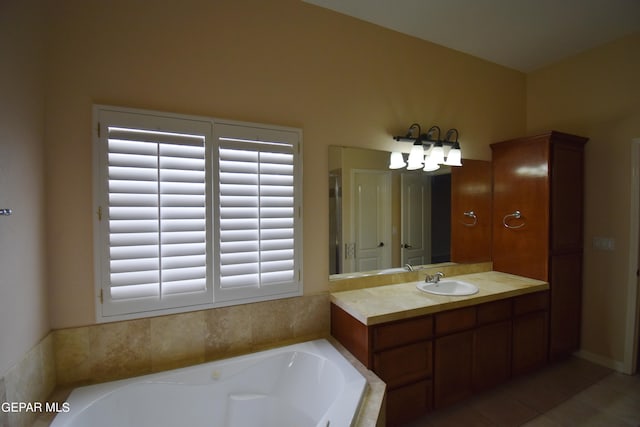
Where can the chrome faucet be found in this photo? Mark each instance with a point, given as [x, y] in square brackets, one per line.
[435, 278]
[408, 267]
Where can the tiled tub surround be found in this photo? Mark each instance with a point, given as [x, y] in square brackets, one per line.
[30, 380]
[123, 349]
[103, 352]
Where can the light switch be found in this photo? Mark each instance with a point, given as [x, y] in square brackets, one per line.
[604, 243]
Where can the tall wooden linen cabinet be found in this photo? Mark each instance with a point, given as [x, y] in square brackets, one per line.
[538, 223]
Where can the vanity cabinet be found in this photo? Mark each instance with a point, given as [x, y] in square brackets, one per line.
[399, 352]
[435, 360]
[538, 223]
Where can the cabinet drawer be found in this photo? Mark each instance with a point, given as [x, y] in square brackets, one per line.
[455, 320]
[404, 364]
[529, 303]
[402, 332]
[495, 311]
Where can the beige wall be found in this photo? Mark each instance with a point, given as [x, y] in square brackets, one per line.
[597, 94]
[23, 306]
[343, 81]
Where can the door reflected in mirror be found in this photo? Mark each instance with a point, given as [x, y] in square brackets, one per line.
[383, 219]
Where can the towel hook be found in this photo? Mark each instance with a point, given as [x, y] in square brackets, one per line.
[515, 215]
[472, 215]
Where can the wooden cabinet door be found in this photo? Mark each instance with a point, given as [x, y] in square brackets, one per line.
[471, 192]
[492, 355]
[521, 183]
[530, 344]
[452, 368]
[567, 176]
[408, 402]
[566, 305]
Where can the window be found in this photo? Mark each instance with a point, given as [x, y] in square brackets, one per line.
[257, 212]
[193, 213]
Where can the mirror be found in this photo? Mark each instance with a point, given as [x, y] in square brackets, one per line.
[382, 219]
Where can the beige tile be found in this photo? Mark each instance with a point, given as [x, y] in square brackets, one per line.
[540, 392]
[617, 382]
[542, 421]
[73, 361]
[120, 349]
[311, 316]
[572, 412]
[569, 393]
[616, 399]
[4, 416]
[574, 374]
[30, 380]
[502, 408]
[177, 340]
[455, 417]
[624, 410]
[271, 322]
[227, 331]
[48, 365]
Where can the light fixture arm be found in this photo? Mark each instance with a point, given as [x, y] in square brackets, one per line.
[449, 134]
[428, 137]
[408, 137]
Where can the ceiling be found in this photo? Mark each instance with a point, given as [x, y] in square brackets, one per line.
[520, 34]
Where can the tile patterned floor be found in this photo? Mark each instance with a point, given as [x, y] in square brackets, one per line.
[566, 394]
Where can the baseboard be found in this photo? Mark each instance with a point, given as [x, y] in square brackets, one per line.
[601, 360]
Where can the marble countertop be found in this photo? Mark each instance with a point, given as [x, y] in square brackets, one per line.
[381, 304]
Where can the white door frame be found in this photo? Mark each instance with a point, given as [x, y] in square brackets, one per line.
[632, 322]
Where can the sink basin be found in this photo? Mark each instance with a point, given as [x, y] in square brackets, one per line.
[448, 287]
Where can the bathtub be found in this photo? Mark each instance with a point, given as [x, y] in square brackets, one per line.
[307, 384]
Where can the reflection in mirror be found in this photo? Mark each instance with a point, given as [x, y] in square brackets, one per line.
[383, 219]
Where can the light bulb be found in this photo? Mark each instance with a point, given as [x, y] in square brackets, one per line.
[416, 157]
[396, 161]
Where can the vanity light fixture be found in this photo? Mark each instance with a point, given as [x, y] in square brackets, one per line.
[427, 152]
[454, 157]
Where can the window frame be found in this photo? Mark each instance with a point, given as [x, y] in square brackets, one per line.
[103, 116]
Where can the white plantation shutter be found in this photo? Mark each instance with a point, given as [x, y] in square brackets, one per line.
[193, 213]
[154, 220]
[258, 220]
